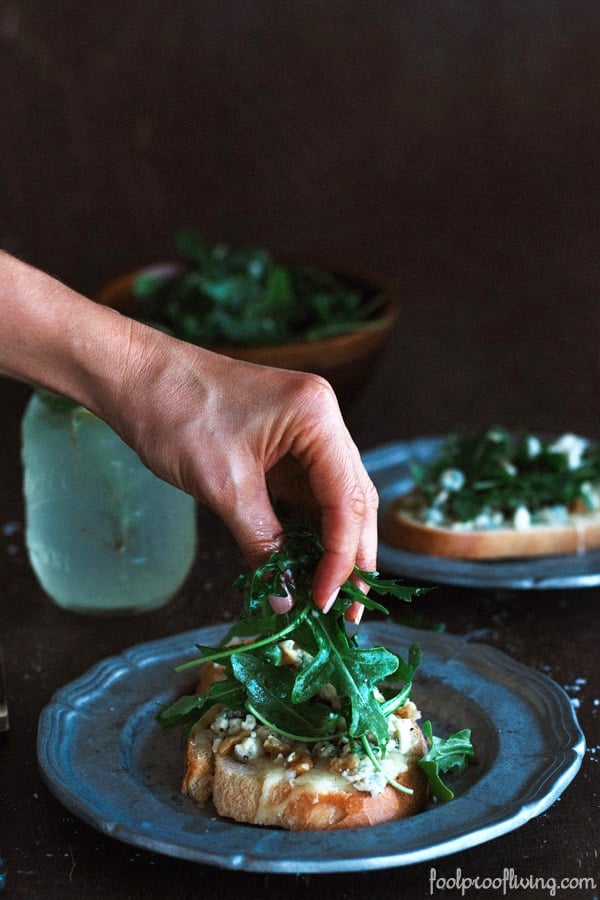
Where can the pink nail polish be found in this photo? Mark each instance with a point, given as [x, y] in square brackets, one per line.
[280, 604]
[358, 615]
[330, 600]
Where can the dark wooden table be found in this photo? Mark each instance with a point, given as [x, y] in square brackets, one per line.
[48, 853]
[451, 147]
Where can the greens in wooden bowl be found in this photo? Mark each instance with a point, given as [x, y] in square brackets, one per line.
[222, 295]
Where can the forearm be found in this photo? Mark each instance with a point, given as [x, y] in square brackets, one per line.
[51, 336]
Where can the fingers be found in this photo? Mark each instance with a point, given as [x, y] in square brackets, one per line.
[348, 502]
[349, 534]
[288, 483]
[354, 613]
[256, 530]
[318, 440]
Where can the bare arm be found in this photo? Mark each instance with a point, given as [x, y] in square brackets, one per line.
[208, 424]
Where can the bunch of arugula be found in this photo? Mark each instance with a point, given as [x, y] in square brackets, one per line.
[245, 297]
[502, 473]
[285, 698]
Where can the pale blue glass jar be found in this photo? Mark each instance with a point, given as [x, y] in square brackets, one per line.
[103, 534]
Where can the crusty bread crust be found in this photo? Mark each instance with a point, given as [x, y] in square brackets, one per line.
[263, 792]
[401, 529]
[199, 767]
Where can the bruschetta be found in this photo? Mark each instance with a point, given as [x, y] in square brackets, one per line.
[255, 775]
[294, 723]
[495, 495]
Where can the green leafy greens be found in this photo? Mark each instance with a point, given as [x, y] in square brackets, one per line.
[496, 473]
[369, 683]
[443, 755]
[245, 297]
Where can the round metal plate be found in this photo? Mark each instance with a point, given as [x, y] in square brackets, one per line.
[103, 756]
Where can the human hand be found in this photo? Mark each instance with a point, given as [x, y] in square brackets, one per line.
[216, 427]
[212, 426]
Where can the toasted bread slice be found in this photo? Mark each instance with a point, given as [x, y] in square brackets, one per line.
[290, 787]
[267, 792]
[401, 527]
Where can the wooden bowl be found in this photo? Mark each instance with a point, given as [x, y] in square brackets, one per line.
[346, 361]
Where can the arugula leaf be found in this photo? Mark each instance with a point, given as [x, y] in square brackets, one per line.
[189, 709]
[443, 755]
[269, 688]
[393, 588]
[405, 673]
[354, 673]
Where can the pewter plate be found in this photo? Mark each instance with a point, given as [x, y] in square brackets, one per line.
[389, 468]
[103, 756]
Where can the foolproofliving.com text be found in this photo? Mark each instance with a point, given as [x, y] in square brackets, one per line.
[509, 881]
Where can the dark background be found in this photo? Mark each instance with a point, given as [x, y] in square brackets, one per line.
[451, 146]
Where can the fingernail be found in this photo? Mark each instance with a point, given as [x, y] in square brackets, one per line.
[280, 604]
[330, 600]
[355, 615]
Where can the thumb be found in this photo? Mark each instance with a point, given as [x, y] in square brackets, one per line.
[258, 533]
